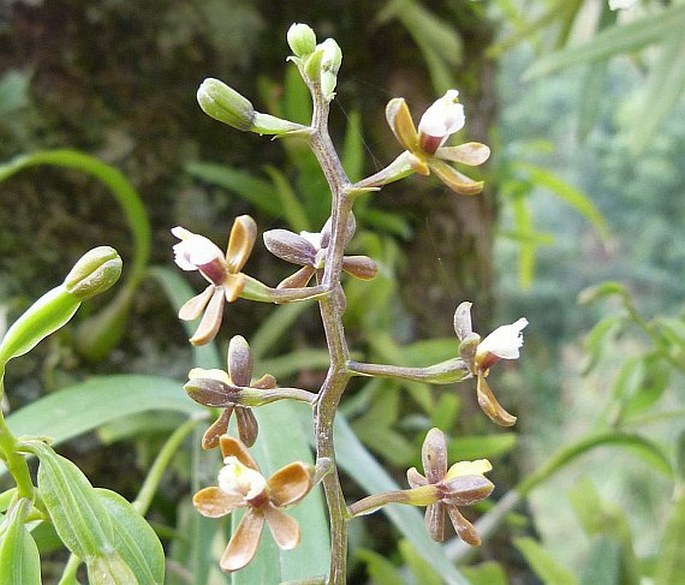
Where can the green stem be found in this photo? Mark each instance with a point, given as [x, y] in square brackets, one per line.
[154, 476]
[332, 309]
[447, 372]
[16, 463]
[69, 573]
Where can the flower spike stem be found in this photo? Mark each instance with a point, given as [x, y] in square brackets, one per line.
[320, 256]
[447, 372]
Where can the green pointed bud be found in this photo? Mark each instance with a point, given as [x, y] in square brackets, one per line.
[332, 56]
[301, 39]
[48, 314]
[94, 273]
[330, 64]
[312, 66]
[267, 124]
[225, 104]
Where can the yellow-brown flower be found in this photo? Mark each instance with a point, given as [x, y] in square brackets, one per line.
[425, 150]
[462, 484]
[241, 485]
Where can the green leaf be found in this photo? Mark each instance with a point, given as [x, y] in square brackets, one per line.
[578, 200]
[599, 338]
[542, 563]
[671, 561]
[134, 539]
[649, 451]
[19, 559]
[79, 517]
[466, 448]
[603, 564]
[178, 292]
[380, 570]
[664, 88]
[292, 209]
[615, 40]
[446, 410]
[352, 156]
[421, 569]
[258, 192]
[601, 291]
[275, 326]
[104, 399]
[290, 363]
[75, 510]
[488, 573]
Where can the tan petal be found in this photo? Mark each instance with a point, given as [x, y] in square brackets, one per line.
[240, 362]
[399, 118]
[214, 502]
[233, 447]
[489, 405]
[470, 153]
[415, 479]
[290, 484]
[240, 242]
[434, 455]
[418, 164]
[458, 182]
[284, 529]
[211, 321]
[266, 382]
[210, 440]
[243, 545]
[435, 521]
[193, 308]
[361, 267]
[299, 279]
[233, 285]
[248, 427]
[466, 531]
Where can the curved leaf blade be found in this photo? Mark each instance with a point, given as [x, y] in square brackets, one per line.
[134, 539]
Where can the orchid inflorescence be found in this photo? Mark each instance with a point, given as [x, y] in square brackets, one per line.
[321, 259]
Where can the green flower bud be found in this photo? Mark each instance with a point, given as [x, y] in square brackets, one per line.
[48, 314]
[301, 39]
[332, 56]
[312, 66]
[94, 273]
[225, 104]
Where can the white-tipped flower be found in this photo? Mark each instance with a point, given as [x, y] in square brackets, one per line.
[194, 251]
[504, 342]
[621, 4]
[443, 118]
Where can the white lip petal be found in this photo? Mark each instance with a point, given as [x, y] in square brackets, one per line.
[236, 477]
[504, 342]
[444, 117]
[194, 250]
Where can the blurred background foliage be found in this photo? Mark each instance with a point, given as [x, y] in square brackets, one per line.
[584, 112]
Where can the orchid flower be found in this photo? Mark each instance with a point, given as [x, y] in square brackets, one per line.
[425, 147]
[223, 271]
[241, 485]
[503, 343]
